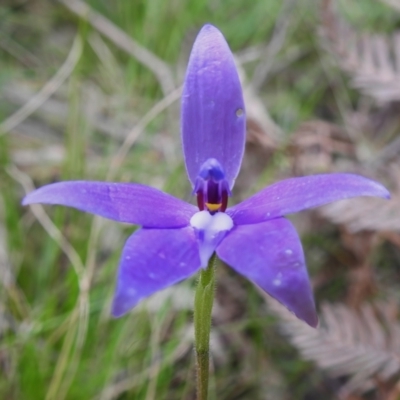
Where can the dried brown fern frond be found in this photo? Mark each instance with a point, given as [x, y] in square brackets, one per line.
[362, 348]
[319, 146]
[371, 60]
[365, 213]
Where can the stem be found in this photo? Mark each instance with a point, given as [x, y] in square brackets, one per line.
[203, 302]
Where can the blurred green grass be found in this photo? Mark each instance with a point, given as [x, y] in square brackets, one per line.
[57, 339]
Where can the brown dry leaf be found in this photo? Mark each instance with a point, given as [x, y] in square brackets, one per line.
[365, 213]
[361, 276]
[256, 110]
[260, 147]
[259, 150]
[317, 145]
[262, 137]
[362, 347]
[372, 61]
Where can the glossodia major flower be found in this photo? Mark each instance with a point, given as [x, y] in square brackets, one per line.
[177, 239]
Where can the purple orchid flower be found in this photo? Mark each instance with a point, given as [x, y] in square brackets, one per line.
[177, 239]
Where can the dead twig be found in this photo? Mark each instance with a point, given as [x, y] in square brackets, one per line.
[54, 112]
[275, 45]
[124, 42]
[256, 110]
[47, 90]
[393, 3]
[24, 56]
[124, 385]
[46, 222]
[139, 128]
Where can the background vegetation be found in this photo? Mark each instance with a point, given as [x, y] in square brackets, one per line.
[91, 91]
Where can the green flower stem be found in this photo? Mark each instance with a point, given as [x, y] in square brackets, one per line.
[203, 303]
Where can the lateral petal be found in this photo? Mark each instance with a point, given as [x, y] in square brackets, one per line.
[213, 115]
[297, 194]
[124, 202]
[270, 255]
[152, 260]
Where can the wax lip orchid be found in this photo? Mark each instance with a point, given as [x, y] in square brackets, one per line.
[177, 239]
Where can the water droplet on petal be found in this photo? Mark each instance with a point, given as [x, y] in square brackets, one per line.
[239, 112]
[278, 280]
[127, 257]
[288, 252]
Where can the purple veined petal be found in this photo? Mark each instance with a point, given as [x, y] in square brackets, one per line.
[213, 115]
[296, 194]
[152, 260]
[270, 255]
[124, 202]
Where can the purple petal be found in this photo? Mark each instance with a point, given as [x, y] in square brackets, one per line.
[296, 194]
[270, 255]
[124, 202]
[213, 117]
[152, 260]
